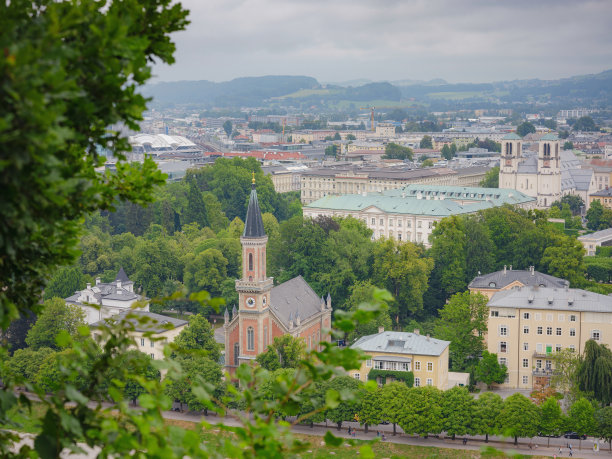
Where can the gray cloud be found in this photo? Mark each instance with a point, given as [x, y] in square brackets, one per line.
[336, 40]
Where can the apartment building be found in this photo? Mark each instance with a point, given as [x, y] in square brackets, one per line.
[527, 325]
[334, 181]
[410, 213]
[491, 283]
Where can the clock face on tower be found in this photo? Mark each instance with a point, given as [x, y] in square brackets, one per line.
[250, 302]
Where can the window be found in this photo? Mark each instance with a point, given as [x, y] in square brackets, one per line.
[381, 221]
[572, 332]
[356, 376]
[430, 225]
[378, 365]
[538, 363]
[265, 336]
[373, 221]
[503, 361]
[417, 365]
[526, 329]
[561, 317]
[572, 347]
[152, 356]
[503, 346]
[250, 339]
[538, 316]
[408, 224]
[572, 318]
[419, 224]
[236, 353]
[557, 348]
[539, 330]
[526, 315]
[549, 330]
[390, 222]
[152, 343]
[595, 335]
[142, 342]
[250, 262]
[539, 347]
[417, 382]
[429, 366]
[399, 223]
[369, 363]
[429, 382]
[494, 313]
[525, 379]
[549, 317]
[503, 330]
[525, 346]
[525, 363]
[558, 331]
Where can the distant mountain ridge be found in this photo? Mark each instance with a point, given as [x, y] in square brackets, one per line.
[306, 92]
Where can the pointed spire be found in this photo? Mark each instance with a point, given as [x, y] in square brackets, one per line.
[253, 224]
[290, 320]
[226, 316]
[328, 300]
[234, 312]
[122, 276]
[298, 320]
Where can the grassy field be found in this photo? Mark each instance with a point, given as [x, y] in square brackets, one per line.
[317, 449]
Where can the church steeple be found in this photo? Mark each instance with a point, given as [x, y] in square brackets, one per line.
[253, 226]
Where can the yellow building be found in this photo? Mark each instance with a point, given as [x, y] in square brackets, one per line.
[385, 130]
[527, 325]
[603, 196]
[426, 357]
[151, 331]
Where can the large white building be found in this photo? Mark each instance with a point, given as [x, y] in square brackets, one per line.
[104, 300]
[546, 175]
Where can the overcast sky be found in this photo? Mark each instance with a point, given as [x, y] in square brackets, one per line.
[340, 40]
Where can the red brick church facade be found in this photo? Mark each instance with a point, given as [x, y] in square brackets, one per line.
[265, 311]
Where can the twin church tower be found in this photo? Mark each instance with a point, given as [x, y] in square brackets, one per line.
[264, 311]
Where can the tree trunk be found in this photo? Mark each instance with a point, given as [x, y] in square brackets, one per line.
[549, 441]
[365, 428]
[487, 437]
[339, 425]
[515, 440]
[394, 431]
[453, 436]
[311, 425]
[580, 442]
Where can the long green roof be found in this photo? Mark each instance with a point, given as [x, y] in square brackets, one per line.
[512, 136]
[439, 201]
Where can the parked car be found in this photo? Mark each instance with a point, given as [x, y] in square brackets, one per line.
[575, 436]
[540, 434]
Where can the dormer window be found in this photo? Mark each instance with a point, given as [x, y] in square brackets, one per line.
[492, 284]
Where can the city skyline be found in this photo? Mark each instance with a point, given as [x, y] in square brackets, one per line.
[467, 41]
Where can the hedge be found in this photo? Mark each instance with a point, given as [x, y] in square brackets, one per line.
[406, 376]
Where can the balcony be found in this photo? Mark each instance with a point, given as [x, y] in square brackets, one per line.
[543, 354]
[548, 372]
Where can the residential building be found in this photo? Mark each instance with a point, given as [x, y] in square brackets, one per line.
[506, 279]
[410, 213]
[266, 311]
[285, 178]
[603, 196]
[104, 300]
[590, 242]
[151, 331]
[350, 179]
[527, 325]
[385, 130]
[426, 357]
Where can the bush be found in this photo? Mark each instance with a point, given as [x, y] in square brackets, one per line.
[406, 376]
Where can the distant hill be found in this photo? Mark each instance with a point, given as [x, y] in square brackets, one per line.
[305, 92]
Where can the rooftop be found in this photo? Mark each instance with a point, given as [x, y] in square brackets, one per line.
[565, 299]
[501, 279]
[145, 321]
[401, 343]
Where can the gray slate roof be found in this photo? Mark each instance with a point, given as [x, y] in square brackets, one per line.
[253, 225]
[151, 322]
[525, 277]
[571, 299]
[122, 276]
[596, 235]
[401, 343]
[294, 297]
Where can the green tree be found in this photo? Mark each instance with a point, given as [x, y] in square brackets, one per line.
[581, 418]
[519, 417]
[351, 137]
[551, 419]
[348, 406]
[422, 411]
[228, 128]
[370, 409]
[486, 414]
[57, 316]
[395, 151]
[331, 150]
[196, 369]
[479, 248]
[585, 123]
[448, 251]
[463, 322]
[568, 145]
[205, 271]
[566, 363]
[337, 136]
[565, 260]
[131, 366]
[426, 142]
[26, 362]
[198, 336]
[195, 212]
[488, 370]
[604, 424]
[446, 152]
[595, 372]
[392, 398]
[427, 163]
[596, 216]
[284, 352]
[525, 128]
[491, 179]
[458, 409]
[64, 283]
[361, 292]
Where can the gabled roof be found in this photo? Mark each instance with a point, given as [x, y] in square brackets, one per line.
[502, 279]
[292, 298]
[401, 343]
[570, 299]
[253, 226]
[550, 136]
[151, 322]
[511, 136]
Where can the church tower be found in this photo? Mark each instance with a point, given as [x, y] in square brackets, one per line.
[254, 287]
[549, 170]
[511, 146]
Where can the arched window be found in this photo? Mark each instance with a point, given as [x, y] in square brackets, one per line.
[509, 148]
[250, 339]
[236, 353]
[250, 262]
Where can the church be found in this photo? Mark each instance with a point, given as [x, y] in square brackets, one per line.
[547, 174]
[264, 311]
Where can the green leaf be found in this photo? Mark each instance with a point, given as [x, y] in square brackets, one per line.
[73, 394]
[366, 452]
[331, 440]
[332, 398]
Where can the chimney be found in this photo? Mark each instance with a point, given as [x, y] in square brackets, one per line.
[88, 285]
[427, 337]
[417, 331]
[532, 269]
[510, 267]
[504, 270]
[97, 281]
[381, 329]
